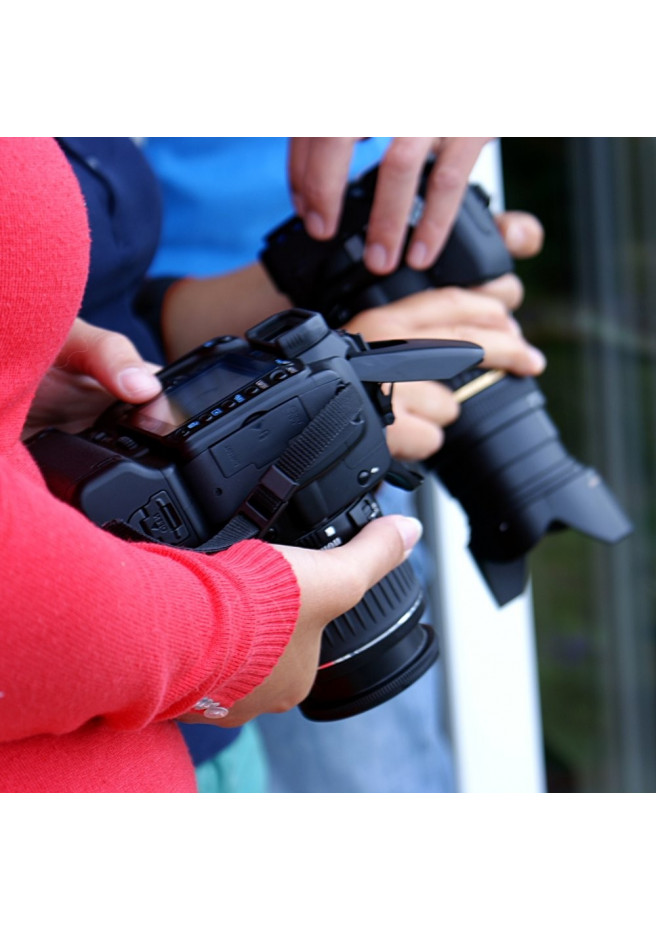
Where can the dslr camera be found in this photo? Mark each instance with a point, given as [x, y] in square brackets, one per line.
[502, 459]
[278, 436]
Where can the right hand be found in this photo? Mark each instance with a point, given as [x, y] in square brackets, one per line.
[423, 408]
[318, 175]
[482, 315]
[331, 582]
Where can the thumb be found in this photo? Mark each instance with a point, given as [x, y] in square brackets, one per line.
[522, 232]
[380, 546]
[334, 581]
[111, 359]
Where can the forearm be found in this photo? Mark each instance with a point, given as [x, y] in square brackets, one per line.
[94, 627]
[198, 309]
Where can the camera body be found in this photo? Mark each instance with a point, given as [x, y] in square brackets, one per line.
[279, 436]
[179, 467]
[330, 276]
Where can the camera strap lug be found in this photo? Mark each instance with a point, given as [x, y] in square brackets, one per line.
[403, 477]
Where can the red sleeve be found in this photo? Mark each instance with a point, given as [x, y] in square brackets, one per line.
[92, 626]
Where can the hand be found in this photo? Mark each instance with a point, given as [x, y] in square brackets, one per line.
[480, 315]
[93, 368]
[318, 174]
[331, 582]
[423, 409]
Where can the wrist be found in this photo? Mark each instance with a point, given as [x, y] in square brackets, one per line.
[197, 309]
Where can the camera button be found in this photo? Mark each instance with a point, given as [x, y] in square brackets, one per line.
[127, 443]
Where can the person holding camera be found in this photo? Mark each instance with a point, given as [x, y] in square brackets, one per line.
[220, 196]
[97, 664]
[123, 206]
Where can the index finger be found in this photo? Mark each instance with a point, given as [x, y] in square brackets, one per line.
[396, 187]
[318, 174]
[444, 192]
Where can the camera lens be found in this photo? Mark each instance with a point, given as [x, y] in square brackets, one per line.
[374, 651]
[504, 462]
[378, 648]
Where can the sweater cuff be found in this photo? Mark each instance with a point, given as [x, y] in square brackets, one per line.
[270, 603]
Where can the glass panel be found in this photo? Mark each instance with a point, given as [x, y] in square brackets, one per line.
[591, 307]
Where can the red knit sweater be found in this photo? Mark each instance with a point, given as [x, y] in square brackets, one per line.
[102, 643]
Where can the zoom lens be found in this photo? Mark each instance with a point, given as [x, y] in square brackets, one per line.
[504, 462]
[378, 648]
[374, 651]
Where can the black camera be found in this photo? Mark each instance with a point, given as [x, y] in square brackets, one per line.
[281, 437]
[502, 459]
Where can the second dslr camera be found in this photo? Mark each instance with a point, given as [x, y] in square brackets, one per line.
[502, 459]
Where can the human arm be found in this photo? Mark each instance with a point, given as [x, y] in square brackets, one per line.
[318, 175]
[197, 309]
[378, 548]
[94, 629]
[132, 633]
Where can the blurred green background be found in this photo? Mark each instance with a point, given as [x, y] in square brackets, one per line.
[590, 306]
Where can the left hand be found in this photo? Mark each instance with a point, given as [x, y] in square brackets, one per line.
[318, 175]
[331, 581]
[423, 408]
[93, 368]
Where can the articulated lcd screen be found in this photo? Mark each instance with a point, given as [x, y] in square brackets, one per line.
[199, 393]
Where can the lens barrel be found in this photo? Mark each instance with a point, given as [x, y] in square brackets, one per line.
[374, 651]
[378, 648]
[503, 460]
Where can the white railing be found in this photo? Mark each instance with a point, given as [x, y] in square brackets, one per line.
[488, 652]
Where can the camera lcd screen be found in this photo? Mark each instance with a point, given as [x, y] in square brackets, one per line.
[200, 392]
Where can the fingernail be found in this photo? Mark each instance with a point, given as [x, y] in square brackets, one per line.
[375, 258]
[315, 225]
[515, 238]
[417, 255]
[410, 529]
[537, 358]
[138, 383]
